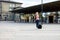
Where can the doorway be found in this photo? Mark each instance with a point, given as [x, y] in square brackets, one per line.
[0, 17]
[50, 19]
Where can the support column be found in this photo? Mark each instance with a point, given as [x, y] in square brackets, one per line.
[41, 11]
[57, 17]
[45, 17]
[13, 17]
[20, 17]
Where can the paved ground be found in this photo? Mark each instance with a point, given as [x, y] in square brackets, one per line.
[28, 31]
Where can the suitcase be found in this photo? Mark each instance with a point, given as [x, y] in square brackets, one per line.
[39, 27]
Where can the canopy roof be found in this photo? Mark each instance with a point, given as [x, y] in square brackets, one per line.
[48, 7]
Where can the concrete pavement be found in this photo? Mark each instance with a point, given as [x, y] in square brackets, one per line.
[28, 31]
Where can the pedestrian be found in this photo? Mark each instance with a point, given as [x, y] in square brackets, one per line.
[38, 21]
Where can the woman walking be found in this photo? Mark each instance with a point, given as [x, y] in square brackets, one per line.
[38, 22]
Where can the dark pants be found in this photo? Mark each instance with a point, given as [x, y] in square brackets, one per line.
[5, 18]
[37, 23]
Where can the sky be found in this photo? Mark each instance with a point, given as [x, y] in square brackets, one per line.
[27, 3]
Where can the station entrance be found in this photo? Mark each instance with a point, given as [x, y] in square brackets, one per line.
[51, 19]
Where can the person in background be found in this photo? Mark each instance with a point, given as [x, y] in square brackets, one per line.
[38, 25]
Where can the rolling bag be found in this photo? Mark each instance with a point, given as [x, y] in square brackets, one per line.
[39, 27]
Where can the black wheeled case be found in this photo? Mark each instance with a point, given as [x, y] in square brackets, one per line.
[39, 27]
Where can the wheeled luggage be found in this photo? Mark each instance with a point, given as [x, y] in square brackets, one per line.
[39, 26]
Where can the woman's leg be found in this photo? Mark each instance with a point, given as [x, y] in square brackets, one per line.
[37, 23]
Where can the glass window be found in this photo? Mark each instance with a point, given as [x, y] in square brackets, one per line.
[59, 12]
[10, 9]
[0, 7]
[48, 13]
[12, 5]
[43, 14]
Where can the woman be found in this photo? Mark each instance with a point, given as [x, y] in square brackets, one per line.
[38, 25]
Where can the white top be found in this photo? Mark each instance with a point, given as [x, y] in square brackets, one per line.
[37, 16]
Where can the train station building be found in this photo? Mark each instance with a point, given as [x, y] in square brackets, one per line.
[50, 14]
[5, 7]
